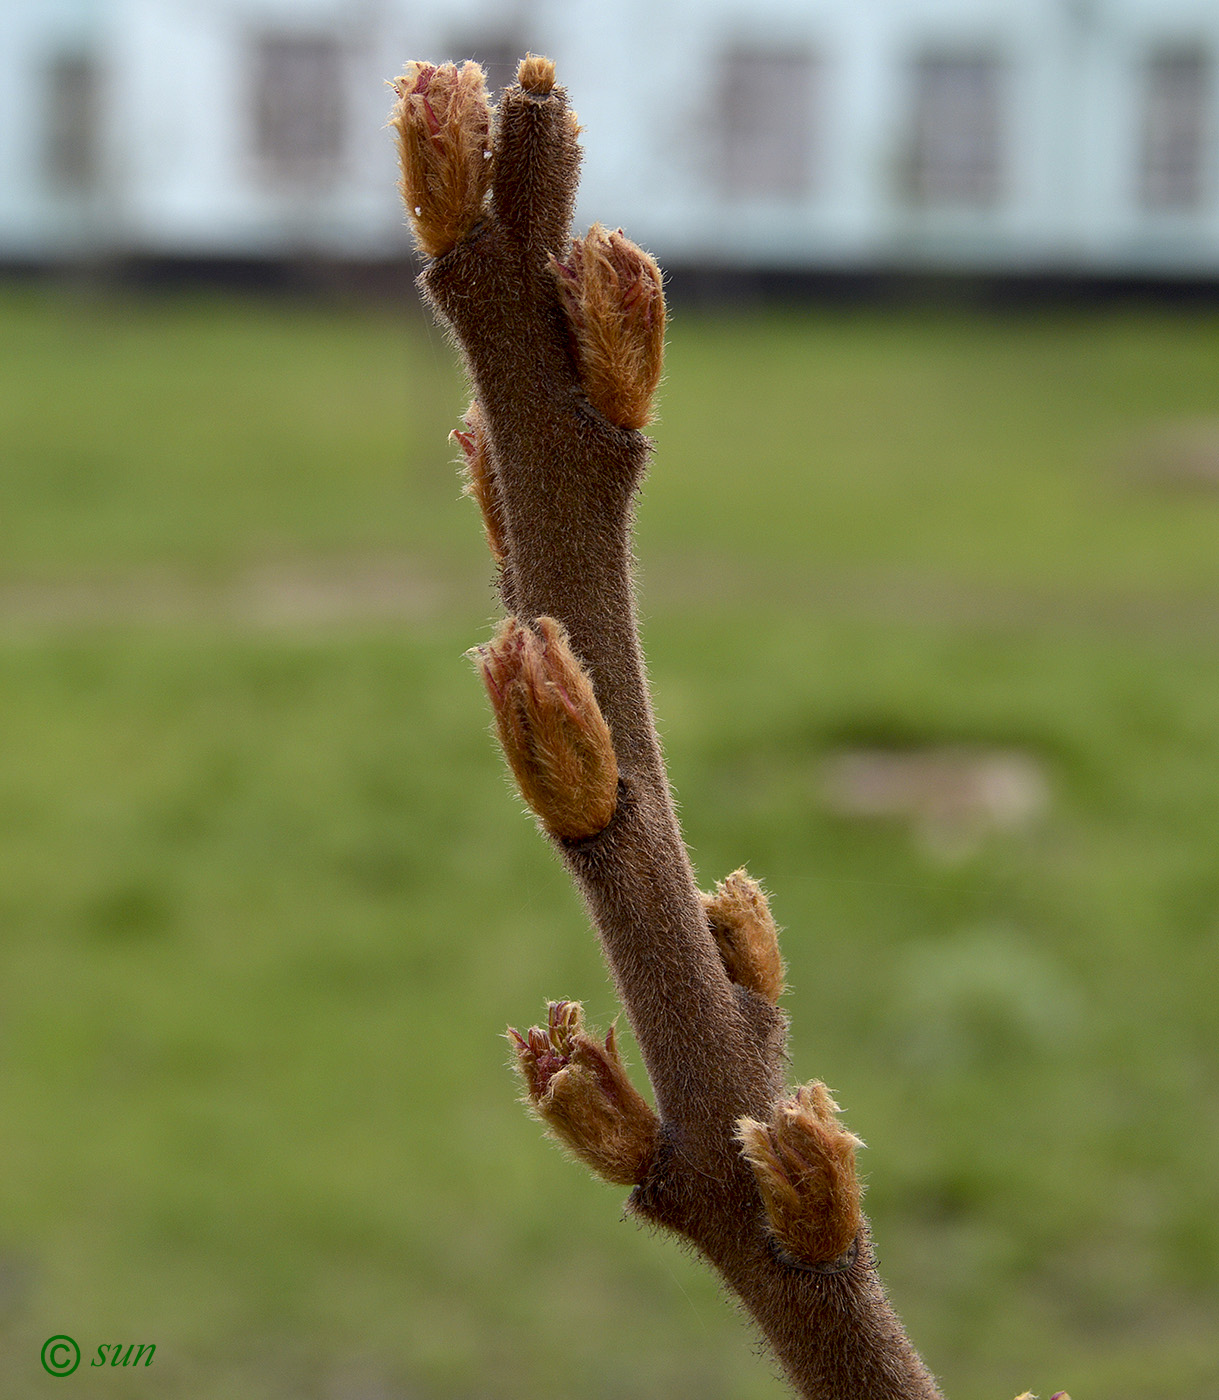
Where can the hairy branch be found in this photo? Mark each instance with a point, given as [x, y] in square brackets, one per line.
[563, 343]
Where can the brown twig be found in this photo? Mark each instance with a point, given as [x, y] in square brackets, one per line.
[563, 344]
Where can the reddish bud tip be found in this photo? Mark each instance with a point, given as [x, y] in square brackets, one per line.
[580, 1089]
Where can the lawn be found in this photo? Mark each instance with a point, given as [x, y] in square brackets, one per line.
[267, 902]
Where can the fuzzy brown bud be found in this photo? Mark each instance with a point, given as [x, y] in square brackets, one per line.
[614, 297]
[443, 123]
[480, 481]
[536, 74]
[804, 1164]
[745, 934]
[578, 1086]
[554, 736]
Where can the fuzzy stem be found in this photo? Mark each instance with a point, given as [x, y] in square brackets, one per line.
[557, 481]
[566, 480]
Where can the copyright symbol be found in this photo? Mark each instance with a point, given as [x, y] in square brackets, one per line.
[60, 1355]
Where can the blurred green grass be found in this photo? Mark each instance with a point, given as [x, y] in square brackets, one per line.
[267, 903]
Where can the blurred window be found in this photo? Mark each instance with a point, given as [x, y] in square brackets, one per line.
[956, 137]
[298, 107]
[72, 152]
[1176, 103]
[766, 109]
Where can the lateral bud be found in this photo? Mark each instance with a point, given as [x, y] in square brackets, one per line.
[804, 1164]
[578, 1087]
[443, 122]
[480, 481]
[745, 933]
[614, 297]
[554, 736]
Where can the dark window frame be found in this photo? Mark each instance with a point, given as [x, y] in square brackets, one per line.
[73, 153]
[769, 101]
[1177, 128]
[299, 110]
[958, 146]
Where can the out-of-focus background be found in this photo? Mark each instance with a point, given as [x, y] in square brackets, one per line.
[1058, 136]
[930, 579]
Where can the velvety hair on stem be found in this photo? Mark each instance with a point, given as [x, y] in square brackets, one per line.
[563, 341]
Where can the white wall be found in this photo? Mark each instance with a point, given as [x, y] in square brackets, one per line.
[35, 217]
[647, 79]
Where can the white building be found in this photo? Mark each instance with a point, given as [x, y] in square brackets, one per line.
[1052, 135]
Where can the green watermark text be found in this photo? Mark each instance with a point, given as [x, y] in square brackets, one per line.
[61, 1354]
